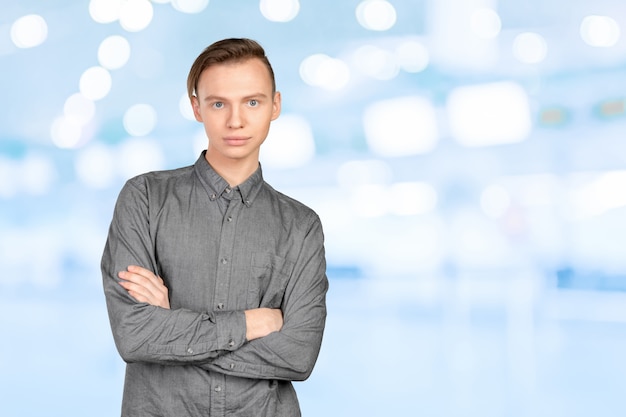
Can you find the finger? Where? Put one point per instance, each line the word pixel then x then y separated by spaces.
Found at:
pixel 138 297
pixel 139 280
pixel 142 271
pixel 138 292
pixel 140 285
pixel 141 299
pixel 144 291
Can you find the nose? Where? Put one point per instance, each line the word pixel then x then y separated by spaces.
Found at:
pixel 235 119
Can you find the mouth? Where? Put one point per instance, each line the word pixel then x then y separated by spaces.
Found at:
pixel 236 140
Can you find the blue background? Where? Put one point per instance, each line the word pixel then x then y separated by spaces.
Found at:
pixel 504 297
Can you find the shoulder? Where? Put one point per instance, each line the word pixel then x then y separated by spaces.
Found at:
pixel 289 206
pixel 158 179
pixel 154 185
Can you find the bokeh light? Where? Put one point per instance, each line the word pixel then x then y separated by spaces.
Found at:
pixel 136 15
pixel 105 11
pixel 600 31
pixel 290 143
pixel 190 6
pixel 95 83
pixel 400 126
pixel 595 195
pixel 279 10
pixel 485 23
pixel 114 52
pixel 412 56
pixel 29 31
pixel 530 48
pixel 377 15
pixel 489 114
pixel 320 70
pixel 66 132
pixel 79 108
pixel 140 119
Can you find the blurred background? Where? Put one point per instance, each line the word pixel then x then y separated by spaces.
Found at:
pixel 467 158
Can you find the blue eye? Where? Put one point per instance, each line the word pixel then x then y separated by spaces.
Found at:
pixel 253 103
pixel 218 104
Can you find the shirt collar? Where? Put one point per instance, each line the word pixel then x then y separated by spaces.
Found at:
pixel 218 185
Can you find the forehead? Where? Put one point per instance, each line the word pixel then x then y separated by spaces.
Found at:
pixel 250 75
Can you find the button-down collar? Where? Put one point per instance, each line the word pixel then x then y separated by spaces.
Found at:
pixel 217 186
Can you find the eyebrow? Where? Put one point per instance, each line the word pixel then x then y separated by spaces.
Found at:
pixel 212 97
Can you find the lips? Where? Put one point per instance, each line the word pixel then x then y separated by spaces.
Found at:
pixel 236 140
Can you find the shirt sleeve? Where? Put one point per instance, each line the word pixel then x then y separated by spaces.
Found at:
pixel 291 353
pixel 146 333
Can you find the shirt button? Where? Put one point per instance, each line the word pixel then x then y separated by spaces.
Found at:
pixel 229 218
pixel 220 306
pixel 213 196
pixel 228 190
pixel 232 366
pixel 231 343
pixel 190 351
pixel 218 388
pixel 224 261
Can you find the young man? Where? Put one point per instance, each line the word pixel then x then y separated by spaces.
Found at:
pixel 215 283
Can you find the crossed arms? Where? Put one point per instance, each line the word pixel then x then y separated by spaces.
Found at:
pixel 146 287
pixel 265 343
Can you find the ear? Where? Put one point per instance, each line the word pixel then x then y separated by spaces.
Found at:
pixel 276 105
pixel 195 104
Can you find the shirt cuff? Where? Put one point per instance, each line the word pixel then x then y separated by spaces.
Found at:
pixel 231 329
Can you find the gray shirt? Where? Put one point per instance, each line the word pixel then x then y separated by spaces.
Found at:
pixel 220 251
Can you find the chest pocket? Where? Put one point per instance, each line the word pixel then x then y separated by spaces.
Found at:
pixel 270 275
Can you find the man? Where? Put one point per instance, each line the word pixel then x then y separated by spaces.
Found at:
pixel 215 283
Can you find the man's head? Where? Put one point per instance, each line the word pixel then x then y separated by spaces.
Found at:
pixel 233 94
pixel 227 51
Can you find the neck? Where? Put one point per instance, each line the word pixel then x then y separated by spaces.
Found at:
pixel 234 171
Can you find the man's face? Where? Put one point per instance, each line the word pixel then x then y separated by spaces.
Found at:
pixel 235 103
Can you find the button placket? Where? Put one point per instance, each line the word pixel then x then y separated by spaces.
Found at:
pixel 221 299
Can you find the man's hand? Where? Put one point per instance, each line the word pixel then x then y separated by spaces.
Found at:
pixel 262 321
pixel 144 286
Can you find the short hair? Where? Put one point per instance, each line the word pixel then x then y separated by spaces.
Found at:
pixel 227 51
